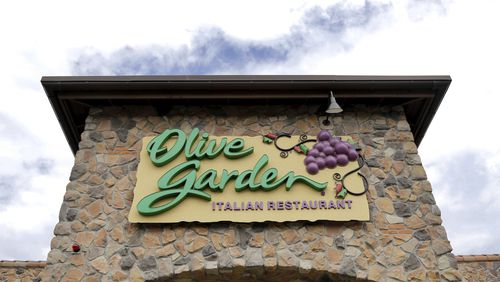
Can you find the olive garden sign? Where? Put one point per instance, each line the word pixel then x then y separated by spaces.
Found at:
pixel 188 176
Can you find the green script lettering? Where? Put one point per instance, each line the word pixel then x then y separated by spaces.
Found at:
pixel 181 181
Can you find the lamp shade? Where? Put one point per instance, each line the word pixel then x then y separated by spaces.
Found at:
pixel 334 108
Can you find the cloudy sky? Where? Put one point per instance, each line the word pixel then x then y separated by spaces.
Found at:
pixel 461 150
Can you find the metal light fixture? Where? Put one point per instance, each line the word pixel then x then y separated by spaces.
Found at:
pixel 334 108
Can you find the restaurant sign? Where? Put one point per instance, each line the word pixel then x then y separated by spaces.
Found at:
pixel 193 177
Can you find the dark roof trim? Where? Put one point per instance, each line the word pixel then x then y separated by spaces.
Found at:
pixel 424 93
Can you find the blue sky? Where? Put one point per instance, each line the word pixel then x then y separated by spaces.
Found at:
pixel 460 151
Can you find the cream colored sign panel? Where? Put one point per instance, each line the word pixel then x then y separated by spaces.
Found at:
pixel 297 202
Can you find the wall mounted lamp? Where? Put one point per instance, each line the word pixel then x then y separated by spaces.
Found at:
pixel 333 108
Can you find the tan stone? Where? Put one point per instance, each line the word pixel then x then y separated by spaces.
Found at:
pixel 179 231
pixel 181 247
pixel 257 240
pixel 197 263
pixel 290 236
pixel 452 274
pixel 138 252
pixel 362 262
pixel 386 164
pixel 405 136
pixel 393 219
pixel 410 148
pixel 268 251
pixel 77 259
pixel 380 174
pixel 235 252
pixel 168 236
pixel 71 196
pixel 308 254
pixel 123 183
pixel 384 205
pixel 334 255
pixel 397 167
pixel 100 264
pixel 441 247
pixel 392 192
pixel 328 241
pixel 135 274
pixel 320 263
pixel 397 273
pixel 84 216
pixel 410 245
pixel 100 238
pixel 118 276
pixel 402 238
pixel 429 261
pixel 433 219
pixel 77 226
pixel 216 241
pixel 418 173
pixel 117 201
pixel 404 194
pixel 151 240
pixel 308 237
pixel 317 245
pixel 92 278
pixel 94 208
pixel 414 222
pixel 201 230
pixel 117 234
pixel 376 273
pixel 94 179
pixel 197 244
pixel 189 236
pixel 229 238
pixel 96 224
pixel 166 251
pixel 394 255
pixel 73 274
pixel 286 258
pixel 417 275
pixel 84 238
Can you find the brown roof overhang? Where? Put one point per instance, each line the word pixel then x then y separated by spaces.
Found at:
pixel 72 96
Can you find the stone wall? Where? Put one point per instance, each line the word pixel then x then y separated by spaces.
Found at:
pixel 404 240
pixel 14 271
pixel 481 268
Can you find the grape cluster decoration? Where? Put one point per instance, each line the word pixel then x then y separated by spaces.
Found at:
pixel 329 152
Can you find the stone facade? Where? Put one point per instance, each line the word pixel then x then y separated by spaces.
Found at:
pixel 20 271
pixel 481 268
pixel 404 239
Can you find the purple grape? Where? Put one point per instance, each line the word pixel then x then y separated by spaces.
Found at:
pixel 333 141
pixel 320 163
pixel 312 168
pixel 319 147
pixel 309 159
pixel 323 135
pixel 330 162
pixel 322 155
pixel 352 155
pixel 342 160
pixel 328 150
pixel 314 153
pixel 341 148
